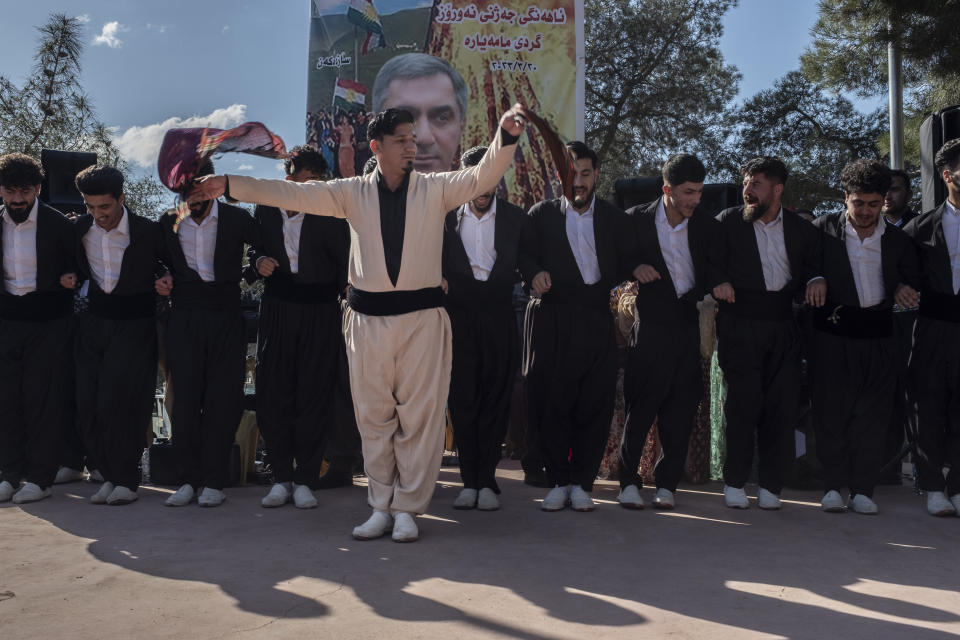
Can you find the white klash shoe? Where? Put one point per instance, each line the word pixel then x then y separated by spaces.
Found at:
pixel 66 474
pixel 630 498
pixel 303 497
pixel 832 502
pixel 556 500
pixel 121 496
pixel 937 504
pixel 735 498
pixel 767 500
pixel 31 492
pixel 487 500
pixel 404 528
pixel 211 497
pixel 183 496
pixel 664 499
pixel 6 491
pixel 279 495
pixel 467 499
pixel 376 525
pixel 100 497
pixel 863 504
pixel 955 501
pixel 580 500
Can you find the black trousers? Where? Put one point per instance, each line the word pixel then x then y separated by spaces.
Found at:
pixel 343 450
pixel 571 378
pixel 853 384
pixel 74 452
pixel 485 360
pixel 298 353
pixel 760 360
pixel 902 415
pixel 935 394
pixel 206 352
pixel 34 359
pixel 116 372
pixel 662 380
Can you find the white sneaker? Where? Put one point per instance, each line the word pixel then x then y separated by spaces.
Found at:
pixel 832 502
pixel 955 501
pixel 279 495
pixel 211 497
pixel 66 474
pixel 630 498
pixel 303 497
pixel 404 528
pixel 767 500
pixel 6 491
pixel 937 504
pixel 664 499
pixel 184 496
pixel 100 497
pixel 376 525
pixel 580 500
pixel 466 500
pixel 556 500
pixel 863 504
pixel 487 500
pixel 31 492
pixel 96 476
pixel 735 498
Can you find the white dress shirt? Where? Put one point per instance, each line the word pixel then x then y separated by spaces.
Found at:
pixel 865 262
pixel 773 252
pixel 477 233
pixel 199 242
pixel 951 232
pixel 20 253
pixel 105 250
pixel 292 226
pixel 675 247
pixel 582 242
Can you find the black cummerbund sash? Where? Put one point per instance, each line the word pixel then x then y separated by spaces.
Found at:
pixel 216 296
pixel 662 312
pixel 285 289
pixel 118 307
pixel 848 321
pixel 940 306
pixel 772 306
pixel 394 303
pixel 469 293
pixel 595 296
pixel 37 306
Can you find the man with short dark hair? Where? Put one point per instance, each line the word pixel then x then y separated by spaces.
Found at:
pixel 763 255
pixel 573 252
pixel 481 242
pixel 935 363
pixel 115 349
pixel 304 261
pixel 36 304
pixel 870 264
pixel 896 201
pixel 397 333
pixel 663 377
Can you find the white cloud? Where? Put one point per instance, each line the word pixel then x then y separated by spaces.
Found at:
pixel 141 145
pixel 160 28
pixel 226 28
pixel 84 18
pixel 108 35
pixel 245 167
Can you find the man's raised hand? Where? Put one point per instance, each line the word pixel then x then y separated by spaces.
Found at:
pixel 513 121
pixel 208 188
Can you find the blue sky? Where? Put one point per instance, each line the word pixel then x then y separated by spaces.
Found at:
pixel 151 65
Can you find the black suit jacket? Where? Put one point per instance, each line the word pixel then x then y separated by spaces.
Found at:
pixel 926 230
pixel 142 261
pixel 508 227
pixel 658 299
pixel 544 245
pixel 56 250
pixel 898 260
pixel 323 251
pixel 735 258
pixel 235 228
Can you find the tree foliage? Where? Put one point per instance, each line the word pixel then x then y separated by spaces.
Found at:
pixel 50 110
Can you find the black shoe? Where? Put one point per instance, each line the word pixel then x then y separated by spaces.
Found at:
pixel 335 478
pixel 537 479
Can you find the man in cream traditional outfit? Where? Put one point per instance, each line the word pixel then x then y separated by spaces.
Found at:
pixel 396 330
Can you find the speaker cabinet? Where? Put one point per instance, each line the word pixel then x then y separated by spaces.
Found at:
pixel 936 129
pixel 60 168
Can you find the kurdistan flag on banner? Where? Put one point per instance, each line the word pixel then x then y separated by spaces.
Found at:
pixel 349 95
pixel 363 14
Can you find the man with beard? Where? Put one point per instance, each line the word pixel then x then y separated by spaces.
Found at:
pixel 36 304
pixel 934 376
pixel 572 254
pixel 397 333
pixel 304 261
pixel 896 202
pixel 763 255
pixel 854 361
pixel 115 351
pixel 663 378
pixel 480 246
pixel 205 341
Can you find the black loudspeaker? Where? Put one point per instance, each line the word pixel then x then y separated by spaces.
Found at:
pixel 935 129
pixel 629 192
pixel 60 168
pixel 717 197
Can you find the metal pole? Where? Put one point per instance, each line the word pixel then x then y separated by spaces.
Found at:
pixel 895 82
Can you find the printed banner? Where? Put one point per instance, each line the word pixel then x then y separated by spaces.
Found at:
pixel 457 66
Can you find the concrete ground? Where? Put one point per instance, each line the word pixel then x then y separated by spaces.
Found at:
pixel 69 569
